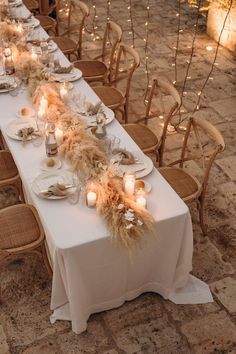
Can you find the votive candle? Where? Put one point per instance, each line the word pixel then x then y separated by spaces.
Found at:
pixel 129 183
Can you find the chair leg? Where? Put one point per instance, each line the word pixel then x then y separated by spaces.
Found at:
pixel 45 260
pixel 201 214
pixel 126 111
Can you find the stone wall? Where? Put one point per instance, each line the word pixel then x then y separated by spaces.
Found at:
pixel 215 21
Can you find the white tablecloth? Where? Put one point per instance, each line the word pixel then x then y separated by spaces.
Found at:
pixel 90 274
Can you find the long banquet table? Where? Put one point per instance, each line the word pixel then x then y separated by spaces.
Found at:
pixel 90 273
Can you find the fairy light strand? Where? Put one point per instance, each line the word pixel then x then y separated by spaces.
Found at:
pixel 146 51
pixel 214 60
pixel 131 31
pixel 177 42
pixel 108 10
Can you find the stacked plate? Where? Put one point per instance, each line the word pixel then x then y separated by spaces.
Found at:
pixel 7 83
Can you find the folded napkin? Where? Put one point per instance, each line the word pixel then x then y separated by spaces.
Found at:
pixel 24 133
pixel 57 190
pixel 126 157
pixel 91 109
pixel 58 69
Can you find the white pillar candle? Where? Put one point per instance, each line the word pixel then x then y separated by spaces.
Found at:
pixel 43 103
pixel 141 201
pixel 129 183
pixel 91 199
pixel 59 136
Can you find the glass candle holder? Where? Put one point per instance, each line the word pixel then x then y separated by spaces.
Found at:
pixel 140 198
pixel 129 183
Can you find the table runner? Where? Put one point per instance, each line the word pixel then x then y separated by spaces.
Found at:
pixel 90 274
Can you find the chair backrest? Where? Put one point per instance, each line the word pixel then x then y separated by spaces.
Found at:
pixel 166 101
pixel 206 141
pixel 127 62
pixel 64 10
pixel 112 37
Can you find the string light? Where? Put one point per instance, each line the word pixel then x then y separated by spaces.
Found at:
pixel 93 30
pixel 108 10
pixel 146 53
pixel 176 47
pixel 130 19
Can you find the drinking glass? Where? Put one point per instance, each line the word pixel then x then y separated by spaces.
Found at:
pixel 73 196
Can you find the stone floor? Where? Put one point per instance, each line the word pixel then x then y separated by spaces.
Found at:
pixel 149 324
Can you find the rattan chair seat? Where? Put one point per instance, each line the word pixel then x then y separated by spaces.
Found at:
pixel 19 227
pixel 91 68
pixel 31 4
pixel 46 22
pixel 110 96
pixel 65 43
pixel 183 183
pixel 142 135
pixel 8 168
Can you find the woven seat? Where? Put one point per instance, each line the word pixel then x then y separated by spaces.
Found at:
pixel 21 232
pixel 91 69
pixel 140 133
pixel 187 186
pixel 184 184
pixel 8 168
pixel 19 227
pixel 143 136
pixel 67 45
pixel 96 70
pixel 9 175
pixel 31 5
pixel 110 96
pixel 47 22
pixel 126 63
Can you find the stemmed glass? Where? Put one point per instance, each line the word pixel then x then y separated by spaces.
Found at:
pixel 38 139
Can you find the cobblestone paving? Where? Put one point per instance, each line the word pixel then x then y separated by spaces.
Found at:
pixel 149 324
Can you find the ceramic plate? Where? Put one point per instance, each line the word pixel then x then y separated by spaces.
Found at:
pixel 32 22
pixel 15 3
pixel 91 120
pixel 46 179
pixel 56 166
pixel 52 46
pixel 9 80
pixel 142 168
pixel 17 124
pixel 74 75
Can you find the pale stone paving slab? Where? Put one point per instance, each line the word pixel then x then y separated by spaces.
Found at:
pixel 4 349
pixel 225 291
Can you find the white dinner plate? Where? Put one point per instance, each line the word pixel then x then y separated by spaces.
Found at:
pixel 33 22
pixel 17 124
pixel 74 75
pixel 10 81
pixel 46 179
pixel 52 46
pixel 142 168
pixel 56 166
pixel 91 120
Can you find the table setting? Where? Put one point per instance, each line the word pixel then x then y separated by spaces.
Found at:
pixel 114 227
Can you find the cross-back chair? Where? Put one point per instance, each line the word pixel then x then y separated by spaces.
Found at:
pixel 67 45
pixel 32 5
pixel 127 62
pixel 9 175
pixel 98 70
pixel 162 94
pixel 48 23
pixel 21 232
pixel 206 142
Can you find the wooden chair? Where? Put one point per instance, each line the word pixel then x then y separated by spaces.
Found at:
pixel 9 175
pixel 21 232
pixel 144 137
pixel 67 45
pixel 209 142
pixel 126 63
pixel 32 5
pixel 48 23
pixel 98 70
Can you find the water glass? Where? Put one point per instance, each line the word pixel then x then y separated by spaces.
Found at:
pixel 73 196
